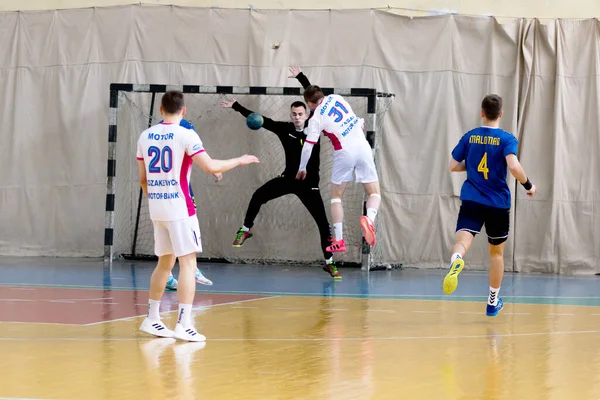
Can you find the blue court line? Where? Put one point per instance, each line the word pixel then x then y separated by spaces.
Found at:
pixel 547 300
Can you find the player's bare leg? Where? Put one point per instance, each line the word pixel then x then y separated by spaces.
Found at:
pixel 337 218
pixel 495 304
pixel 184 330
pixel 152 324
pixel 373 202
pixel 461 246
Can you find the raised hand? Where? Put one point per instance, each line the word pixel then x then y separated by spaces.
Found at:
pixel 227 104
pixel 294 72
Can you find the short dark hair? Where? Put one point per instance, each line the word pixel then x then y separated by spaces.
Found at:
pixel 492 106
pixel 313 94
pixel 298 104
pixel 172 102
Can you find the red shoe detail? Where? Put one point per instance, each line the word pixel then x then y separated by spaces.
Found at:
pixel 368 230
pixel 338 246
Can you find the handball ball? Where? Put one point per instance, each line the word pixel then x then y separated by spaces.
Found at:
pixel 254 121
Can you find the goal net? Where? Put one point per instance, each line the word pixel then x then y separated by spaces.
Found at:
pixel 284 231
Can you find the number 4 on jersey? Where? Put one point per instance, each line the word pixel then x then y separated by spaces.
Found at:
pixel 483 168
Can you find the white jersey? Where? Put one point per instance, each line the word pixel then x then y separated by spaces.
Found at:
pixel 335 118
pixel 167 151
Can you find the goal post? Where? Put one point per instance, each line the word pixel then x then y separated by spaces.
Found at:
pixel 285 233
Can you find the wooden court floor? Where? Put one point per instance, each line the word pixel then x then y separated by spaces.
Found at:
pixel 67 343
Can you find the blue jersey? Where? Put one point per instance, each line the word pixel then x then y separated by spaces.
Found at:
pixel 484 151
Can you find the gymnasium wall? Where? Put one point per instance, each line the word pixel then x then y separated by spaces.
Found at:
pixel 542 9
pixel 56 67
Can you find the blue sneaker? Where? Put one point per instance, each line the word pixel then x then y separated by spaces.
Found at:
pixel 492 311
pixel 171 283
pixel 200 278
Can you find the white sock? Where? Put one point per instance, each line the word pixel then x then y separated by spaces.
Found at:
pixel 337 231
pixel 372 213
pixel 329 261
pixel 493 297
pixel 154 309
pixel 185 315
pixel 454 257
pixel 245 228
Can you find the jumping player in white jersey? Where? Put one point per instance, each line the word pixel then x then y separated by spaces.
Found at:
pixel 352 154
pixel 165 153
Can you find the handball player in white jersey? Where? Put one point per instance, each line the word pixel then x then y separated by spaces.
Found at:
pixel 352 156
pixel 165 154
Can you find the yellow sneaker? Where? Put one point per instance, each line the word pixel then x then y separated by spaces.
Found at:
pixel 451 279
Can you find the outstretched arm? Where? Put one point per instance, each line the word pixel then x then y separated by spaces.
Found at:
pixel 212 166
pixel 268 124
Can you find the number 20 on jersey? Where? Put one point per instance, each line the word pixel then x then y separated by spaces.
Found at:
pixel 164 157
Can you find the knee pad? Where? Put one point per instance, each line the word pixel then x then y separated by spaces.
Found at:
pixel 336 200
pixel 375 195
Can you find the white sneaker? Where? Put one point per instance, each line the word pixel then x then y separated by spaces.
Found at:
pixel 188 334
pixel 156 328
pixel 200 278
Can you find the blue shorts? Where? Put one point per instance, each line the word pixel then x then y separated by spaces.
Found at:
pixel 473 216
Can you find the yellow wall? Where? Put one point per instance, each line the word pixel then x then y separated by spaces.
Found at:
pixel 543 9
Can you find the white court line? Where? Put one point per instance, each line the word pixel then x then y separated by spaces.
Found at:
pixel 174 311
pixel 427 312
pixel 56 300
pixel 15 300
pixel 387 311
pixel 103 302
pixel 334 309
pixel 401 296
pixel 20 398
pixel 348 339
pixel 93 299
pixel 36 323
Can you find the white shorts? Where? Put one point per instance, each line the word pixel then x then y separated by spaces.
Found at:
pixel 179 237
pixel 357 158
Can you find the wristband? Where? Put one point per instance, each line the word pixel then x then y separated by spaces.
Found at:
pixel 527 185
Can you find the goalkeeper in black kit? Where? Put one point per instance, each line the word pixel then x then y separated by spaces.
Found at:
pixel 292 137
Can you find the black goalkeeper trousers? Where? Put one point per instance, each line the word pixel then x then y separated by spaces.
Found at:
pixel 311 198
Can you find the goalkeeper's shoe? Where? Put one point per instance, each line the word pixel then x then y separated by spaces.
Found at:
pixel 338 246
pixel 241 237
pixel 368 230
pixel 332 270
pixel 200 278
pixel 171 283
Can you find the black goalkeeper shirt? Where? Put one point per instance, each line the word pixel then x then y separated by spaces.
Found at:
pixel 292 142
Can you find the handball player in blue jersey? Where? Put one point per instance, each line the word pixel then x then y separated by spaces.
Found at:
pixel 485 153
